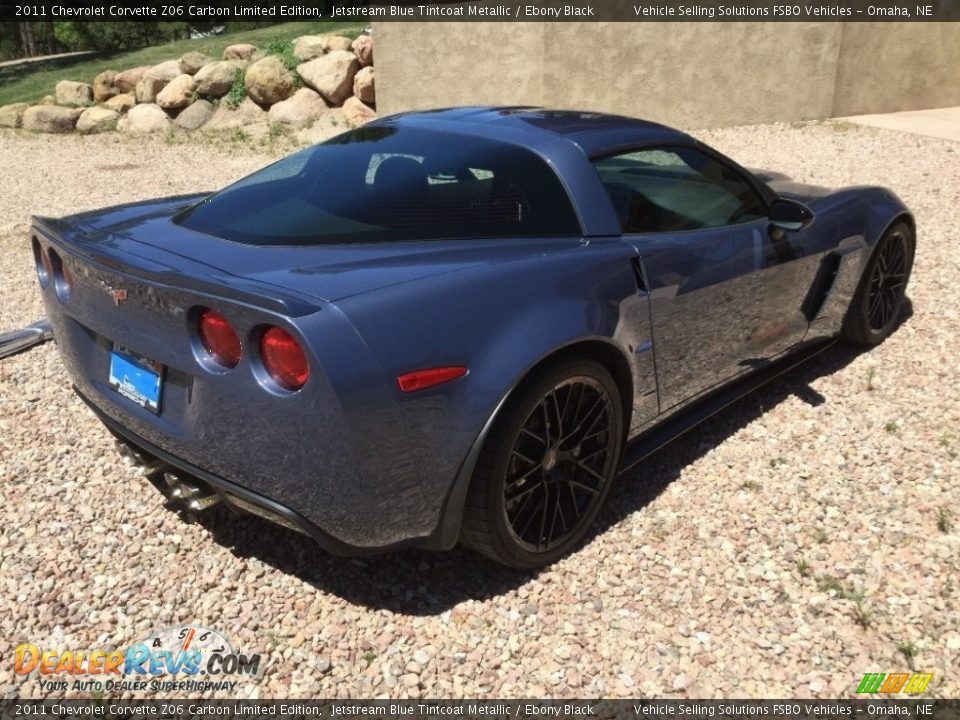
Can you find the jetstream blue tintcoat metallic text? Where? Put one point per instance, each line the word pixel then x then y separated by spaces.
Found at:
pixel 458 324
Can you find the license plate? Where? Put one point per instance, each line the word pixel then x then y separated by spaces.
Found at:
pixel 136 378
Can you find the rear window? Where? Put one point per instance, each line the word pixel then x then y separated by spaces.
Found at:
pixel 388 184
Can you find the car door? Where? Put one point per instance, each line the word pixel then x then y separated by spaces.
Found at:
pixel 726 291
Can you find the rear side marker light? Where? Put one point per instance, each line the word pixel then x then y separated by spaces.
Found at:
pixel 431 377
pixel 284 359
pixel 219 338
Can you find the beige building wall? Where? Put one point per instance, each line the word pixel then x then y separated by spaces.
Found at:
pixel 693 75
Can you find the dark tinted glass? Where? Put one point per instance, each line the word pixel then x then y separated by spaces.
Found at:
pixel 671 189
pixel 387 184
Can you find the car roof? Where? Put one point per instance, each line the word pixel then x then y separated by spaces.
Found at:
pixel 594 133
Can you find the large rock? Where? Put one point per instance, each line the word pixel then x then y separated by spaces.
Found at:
pixel 307 47
pixel 240 51
pixel 11 116
pixel 195 116
pixel 121 103
pixel 165 71
pixel 363 86
pixel 334 43
pixel 226 118
pixel 357 113
pixel 127 80
pixel 104 86
pixel 68 92
pixel 51 118
pixel 331 75
pixel 148 88
pixel 97 120
pixel 216 79
pixel 145 118
pixel 363 48
pixel 191 62
pixel 178 93
pixel 300 110
pixel 268 81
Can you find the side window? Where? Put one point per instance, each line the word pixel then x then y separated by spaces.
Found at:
pixel 674 189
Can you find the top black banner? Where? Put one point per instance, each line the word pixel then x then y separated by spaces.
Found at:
pixel 486 10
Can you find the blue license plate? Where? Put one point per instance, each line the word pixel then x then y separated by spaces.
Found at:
pixel 136 378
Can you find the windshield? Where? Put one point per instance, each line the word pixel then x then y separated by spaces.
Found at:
pixel 388 184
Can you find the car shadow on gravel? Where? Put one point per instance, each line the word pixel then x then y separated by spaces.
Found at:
pixel 423 583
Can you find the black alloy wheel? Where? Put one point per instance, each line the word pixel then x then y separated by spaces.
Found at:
pixel 876 305
pixel 547 467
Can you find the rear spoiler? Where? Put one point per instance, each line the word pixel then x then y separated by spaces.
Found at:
pixel 90 244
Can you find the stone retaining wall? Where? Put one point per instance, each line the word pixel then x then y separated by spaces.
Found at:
pixel 316 84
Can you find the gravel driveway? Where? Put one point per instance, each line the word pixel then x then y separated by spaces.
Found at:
pixel 809 534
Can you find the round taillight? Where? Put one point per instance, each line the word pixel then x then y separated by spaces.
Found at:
pixel 219 338
pixel 284 359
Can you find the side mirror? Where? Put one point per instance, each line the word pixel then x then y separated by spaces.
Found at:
pixel 790 215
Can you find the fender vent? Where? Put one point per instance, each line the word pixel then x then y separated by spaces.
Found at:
pixel 638 274
pixel 822 285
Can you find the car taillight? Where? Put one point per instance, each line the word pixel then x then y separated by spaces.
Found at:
pixel 423 379
pixel 284 359
pixel 219 338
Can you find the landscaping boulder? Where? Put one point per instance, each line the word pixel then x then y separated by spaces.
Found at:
pixel 51 118
pixel 363 49
pixel 97 120
pixel 331 75
pixel 216 79
pixel 47 100
pixel 165 71
pixel 357 113
pixel 195 116
pixel 240 51
pixel 225 117
pixel 268 81
pixel 11 116
pixel 68 92
pixel 121 103
pixel 104 86
pixel 333 43
pixel 148 88
pixel 300 110
pixel 307 47
pixel 145 118
pixel 363 86
pixel 191 62
pixel 126 81
pixel 178 93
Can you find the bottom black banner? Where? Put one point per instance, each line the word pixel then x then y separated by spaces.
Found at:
pixel 646 709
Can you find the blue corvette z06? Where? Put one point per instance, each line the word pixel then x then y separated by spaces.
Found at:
pixel 457 325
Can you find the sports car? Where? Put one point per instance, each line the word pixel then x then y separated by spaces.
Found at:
pixel 457 325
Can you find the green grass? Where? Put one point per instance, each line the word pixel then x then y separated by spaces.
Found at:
pixel 28 82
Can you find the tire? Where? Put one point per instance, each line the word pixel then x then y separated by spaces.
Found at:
pixel 547 466
pixel 875 308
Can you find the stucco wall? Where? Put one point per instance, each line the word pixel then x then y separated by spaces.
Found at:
pixel 687 74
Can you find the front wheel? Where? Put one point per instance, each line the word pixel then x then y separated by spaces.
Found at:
pixel 546 467
pixel 876 305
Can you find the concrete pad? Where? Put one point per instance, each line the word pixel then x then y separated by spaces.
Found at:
pixel 938 122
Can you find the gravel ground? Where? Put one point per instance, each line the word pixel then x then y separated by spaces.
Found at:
pixel 809 534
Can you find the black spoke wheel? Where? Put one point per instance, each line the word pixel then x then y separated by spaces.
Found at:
pixel 546 467
pixel 876 306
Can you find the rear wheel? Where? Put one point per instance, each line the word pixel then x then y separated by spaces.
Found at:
pixel 547 466
pixel 876 305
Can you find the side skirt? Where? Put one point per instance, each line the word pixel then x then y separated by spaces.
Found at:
pixel 670 429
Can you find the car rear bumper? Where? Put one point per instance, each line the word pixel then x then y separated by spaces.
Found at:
pixel 243 499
